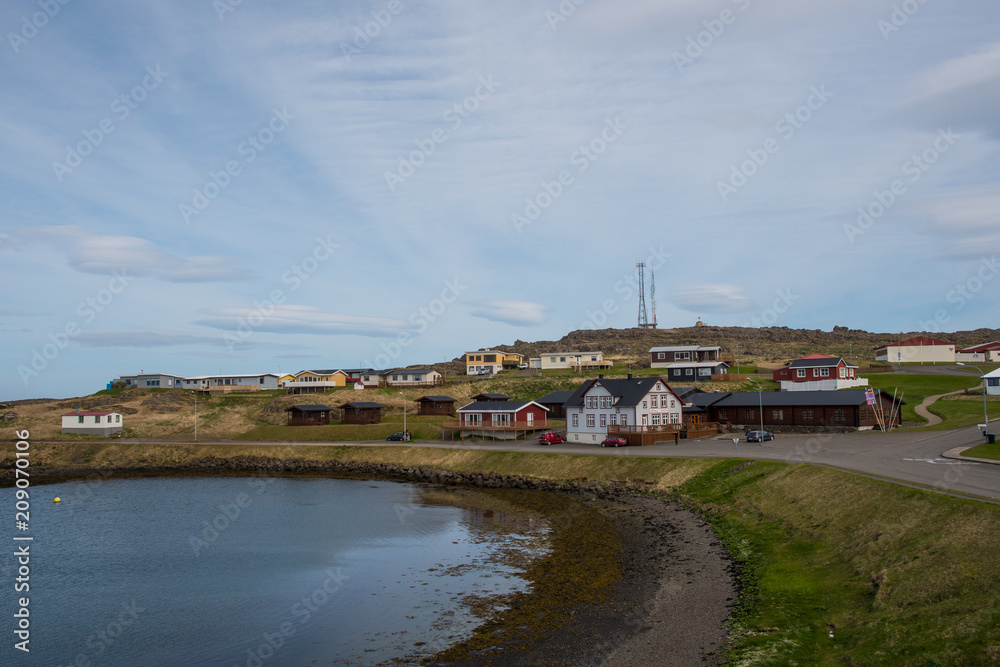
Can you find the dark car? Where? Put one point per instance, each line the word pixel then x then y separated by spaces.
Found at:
pixel 397 436
pixel 550 438
pixel 615 441
pixel 759 436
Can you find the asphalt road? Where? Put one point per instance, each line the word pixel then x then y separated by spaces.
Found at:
pixel 913 458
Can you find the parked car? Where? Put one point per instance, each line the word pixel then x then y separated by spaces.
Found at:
pixel 550 438
pixel 615 441
pixel 759 436
pixel 397 436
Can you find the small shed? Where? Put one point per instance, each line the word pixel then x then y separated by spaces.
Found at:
pixel 436 405
pixel 308 415
pixel 92 423
pixel 483 398
pixel 361 412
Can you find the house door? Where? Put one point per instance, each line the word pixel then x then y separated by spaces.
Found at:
pixel 694 419
pixel 645 419
pixel 531 418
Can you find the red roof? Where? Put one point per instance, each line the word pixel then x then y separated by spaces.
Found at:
pixel 819 356
pixel 916 341
pixel 86 414
pixel 995 345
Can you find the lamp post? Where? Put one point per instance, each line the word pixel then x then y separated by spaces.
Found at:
pixel 404 416
pixel 760 396
pixel 628 359
pixel 982 376
pixel 195 415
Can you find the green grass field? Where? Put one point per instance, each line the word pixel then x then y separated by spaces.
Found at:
pixel 915 388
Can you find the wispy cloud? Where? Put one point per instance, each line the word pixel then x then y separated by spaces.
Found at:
pixel 711 298
pixel 287 319
pixel 518 313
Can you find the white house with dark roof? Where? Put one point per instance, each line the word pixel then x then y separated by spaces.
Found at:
pixel 604 402
pixel 663 357
pixel 993 382
pixel 93 422
pixel 580 361
pixel 412 377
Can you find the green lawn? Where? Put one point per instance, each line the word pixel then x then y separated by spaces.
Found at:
pixel 915 388
pixel 986 451
pixel 962 410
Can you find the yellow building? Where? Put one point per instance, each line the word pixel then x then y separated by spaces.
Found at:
pixel 491 362
pixel 314 382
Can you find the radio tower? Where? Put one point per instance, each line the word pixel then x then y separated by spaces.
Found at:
pixel 652 294
pixel 643 320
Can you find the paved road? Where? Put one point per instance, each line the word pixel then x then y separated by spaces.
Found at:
pixel 913 458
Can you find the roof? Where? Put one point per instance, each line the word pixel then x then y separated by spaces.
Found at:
pixel 438 399
pixel 89 413
pixel 412 371
pixel 555 397
pixel 493 397
pixel 704 400
pixel 818 362
pixel 995 345
pixel 498 406
pixel 328 371
pixel 629 392
pixel 683 348
pixel 568 354
pixel 696 364
pixel 309 408
pixel 915 341
pixel 683 392
pixel 361 404
pixel 244 375
pixel 752 399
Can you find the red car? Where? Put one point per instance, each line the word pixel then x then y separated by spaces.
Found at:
pixel 550 438
pixel 615 441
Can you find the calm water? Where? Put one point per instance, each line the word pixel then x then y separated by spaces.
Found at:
pixel 258 571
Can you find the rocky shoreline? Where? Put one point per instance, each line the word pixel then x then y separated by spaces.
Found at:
pixel 669 608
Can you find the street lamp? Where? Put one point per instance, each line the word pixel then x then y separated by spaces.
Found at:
pixel 628 359
pixel 986 420
pixel 404 416
pixel 760 396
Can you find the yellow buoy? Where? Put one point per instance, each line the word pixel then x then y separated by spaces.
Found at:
pixel 57 499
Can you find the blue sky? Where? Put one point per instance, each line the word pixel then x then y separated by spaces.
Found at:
pixel 200 187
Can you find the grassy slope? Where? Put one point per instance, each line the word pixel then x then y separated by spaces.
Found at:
pixel 916 388
pixel 905 577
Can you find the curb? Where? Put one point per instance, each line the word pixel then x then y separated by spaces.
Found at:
pixel 956 453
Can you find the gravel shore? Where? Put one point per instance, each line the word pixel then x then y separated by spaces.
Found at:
pixel 670 607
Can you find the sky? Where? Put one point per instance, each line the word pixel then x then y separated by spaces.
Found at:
pixel 226 186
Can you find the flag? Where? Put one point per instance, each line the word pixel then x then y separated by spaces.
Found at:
pixel 870 396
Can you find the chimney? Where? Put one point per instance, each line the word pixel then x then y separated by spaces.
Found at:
pixel 629 376
pixel 600 376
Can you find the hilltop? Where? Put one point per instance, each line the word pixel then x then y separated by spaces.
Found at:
pixel 766 346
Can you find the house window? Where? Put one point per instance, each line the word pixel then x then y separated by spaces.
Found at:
pixel 593 358
pixel 395 378
pixel 613 420
pixel 501 418
pixel 843 372
pixel 553 359
pixel 624 420
pixel 682 355
pixel 576 421
pixel 474 418
pixel 800 373
pixel 777 415
pixel 97 419
pixel 79 420
pixel 704 371
pixel 644 406
pixel 604 420
pixel 825 372
pixel 417 378
pixel 660 355
pixel 840 415
pixel 673 403
pixel 653 402
pixel 656 420
pixel 750 413
pixel 723 413
pixel 645 420
pixel 562 359
pixel 807 415
pixel 688 371
pixel 590 421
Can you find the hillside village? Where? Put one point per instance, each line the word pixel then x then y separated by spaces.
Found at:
pixel 660 393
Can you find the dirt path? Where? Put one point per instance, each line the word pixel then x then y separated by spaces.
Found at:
pixel 932 418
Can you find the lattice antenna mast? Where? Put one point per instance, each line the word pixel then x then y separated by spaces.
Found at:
pixel 652 294
pixel 643 319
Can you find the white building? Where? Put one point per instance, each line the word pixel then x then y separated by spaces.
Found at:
pixel 580 361
pixel 92 423
pixel 917 350
pixel 993 383
pixel 984 354
pixel 600 403
pixel 224 383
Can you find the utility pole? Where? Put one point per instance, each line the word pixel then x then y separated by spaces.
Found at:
pixel 643 319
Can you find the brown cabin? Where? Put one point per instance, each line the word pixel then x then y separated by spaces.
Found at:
pixel 436 405
pixel 308 415
pixel 361 412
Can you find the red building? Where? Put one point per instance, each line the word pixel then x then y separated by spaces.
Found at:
pixel 816 367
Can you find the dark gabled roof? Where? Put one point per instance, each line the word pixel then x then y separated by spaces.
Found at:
pixel 817 363
pixel 558 397
pixel 309 408
pixel 493 397
pixel 705 399
pixel 779 399
pixel 361 371
pixel 361 404
pixel 438 399
pixel 686 391
pixel 497 406
pixel 628 392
